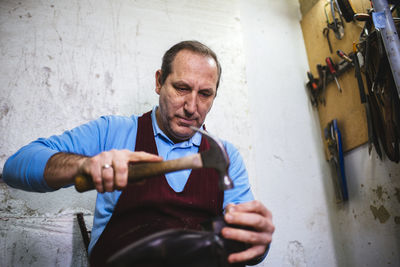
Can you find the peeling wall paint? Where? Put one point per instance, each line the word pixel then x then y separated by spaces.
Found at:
pixel 370 237
pixel 380 213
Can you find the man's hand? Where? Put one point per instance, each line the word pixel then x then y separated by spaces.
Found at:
pixel 109 169
pixel 255 215
pixel 62 168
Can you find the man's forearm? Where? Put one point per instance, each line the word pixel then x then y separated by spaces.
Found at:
pixel 61 169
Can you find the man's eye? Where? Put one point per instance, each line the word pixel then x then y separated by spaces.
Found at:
pixel 181 88
pixel 206 94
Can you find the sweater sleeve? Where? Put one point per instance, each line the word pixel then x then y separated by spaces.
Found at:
pixel 24 170
pixel 241 192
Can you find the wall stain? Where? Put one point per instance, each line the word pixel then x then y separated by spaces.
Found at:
pixel 28 15
pixel 397 194
pixel 397 220
pixel 381 213
pixel 46 76
pixel 70 89
pixel 354 214
pixel 15 8
pixel 379 192
pixel 12 206
pixel 108 80
pixel 295 254
pixel 279 158
pixel 4 110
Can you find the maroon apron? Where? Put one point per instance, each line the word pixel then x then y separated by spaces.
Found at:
pixel 153 206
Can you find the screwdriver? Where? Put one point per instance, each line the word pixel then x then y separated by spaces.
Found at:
pixel 343 55
pixel 332 70
pixel 312 81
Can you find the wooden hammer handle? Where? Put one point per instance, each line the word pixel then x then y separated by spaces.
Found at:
pixel 139 171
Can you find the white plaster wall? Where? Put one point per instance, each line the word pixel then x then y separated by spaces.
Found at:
pixel 290 170
pixel 292 177
pixel 67 62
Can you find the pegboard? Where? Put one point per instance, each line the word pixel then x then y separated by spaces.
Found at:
pixel 346 106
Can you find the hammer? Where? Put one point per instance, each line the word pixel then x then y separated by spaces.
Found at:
pixel 216 158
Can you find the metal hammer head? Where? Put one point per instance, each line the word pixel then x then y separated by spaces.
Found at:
pixel 217 158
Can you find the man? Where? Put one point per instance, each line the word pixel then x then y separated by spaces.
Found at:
pixel 187 86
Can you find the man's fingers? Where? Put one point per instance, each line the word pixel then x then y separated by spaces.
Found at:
pixel 143 156
pixel 107 173
pixel 105 164
pixel 230 207
pixel 253 214
pixel 254 220
pixel 109 169
pixel 246 255
pixel 258 219
pixel 246 236
pixel 121 161
pixel 92 167
pixel 120 175
pixel 254 206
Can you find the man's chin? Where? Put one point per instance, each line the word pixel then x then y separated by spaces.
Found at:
pixel 184 133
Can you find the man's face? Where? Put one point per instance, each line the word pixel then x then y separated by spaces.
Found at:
pixel 186 95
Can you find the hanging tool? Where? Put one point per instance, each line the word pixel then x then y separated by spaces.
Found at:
pixel 347 9
pixel 314 89
pixel 336 25
pixel 322 82
pixel 312 81
pixel 384 107
pixel 332 70
pixel 325 32
pixel 344 56
pixel 390 37
pixel 336 160
pixel 372 137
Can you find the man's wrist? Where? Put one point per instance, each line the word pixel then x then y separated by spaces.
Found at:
pixel 62 168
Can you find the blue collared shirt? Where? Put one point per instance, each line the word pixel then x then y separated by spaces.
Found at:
pixel 25 168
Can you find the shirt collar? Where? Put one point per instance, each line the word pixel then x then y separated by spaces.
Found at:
pixel 195 140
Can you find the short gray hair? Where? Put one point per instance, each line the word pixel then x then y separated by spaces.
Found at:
pixel 194 46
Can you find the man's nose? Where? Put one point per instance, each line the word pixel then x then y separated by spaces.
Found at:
pixel 191 103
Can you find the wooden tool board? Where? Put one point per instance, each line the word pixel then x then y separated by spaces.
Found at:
pixel 346 107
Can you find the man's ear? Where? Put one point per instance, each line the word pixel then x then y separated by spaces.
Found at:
pixel 158 81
